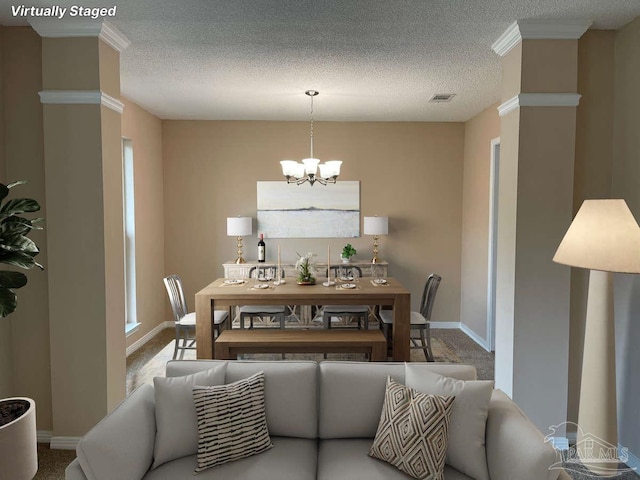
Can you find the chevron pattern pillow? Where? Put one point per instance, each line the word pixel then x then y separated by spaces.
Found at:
pixel 412 433
pixel 231 421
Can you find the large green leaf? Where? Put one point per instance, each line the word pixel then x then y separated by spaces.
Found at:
pixel 11 279
pixel 18 206
pixel 8 301
pixel 19 243
pixel 18 259
pixel 4 191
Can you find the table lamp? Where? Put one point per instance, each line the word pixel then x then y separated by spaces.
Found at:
pixel 239 227
pixel 604 238
pixel 376 226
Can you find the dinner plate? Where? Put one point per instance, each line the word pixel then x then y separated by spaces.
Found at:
pixel 233 281
pixel 261 285
pixel 346 279
pixel 380 281
pixel 348 285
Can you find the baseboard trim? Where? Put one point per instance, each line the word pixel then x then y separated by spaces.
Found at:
pixel 474 336
pixel 144 339
pixel 44 436
pixel 633 461
pixel 449 325
pixel 64 443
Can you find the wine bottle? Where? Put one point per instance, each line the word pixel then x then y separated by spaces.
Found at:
pixel 261 249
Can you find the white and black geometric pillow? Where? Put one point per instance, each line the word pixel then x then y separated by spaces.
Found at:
pixel 231 421
pixel 412 433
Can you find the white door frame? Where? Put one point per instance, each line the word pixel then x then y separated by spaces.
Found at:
pixel 493 241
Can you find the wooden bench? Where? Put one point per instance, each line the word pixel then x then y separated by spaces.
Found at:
pixel 231 343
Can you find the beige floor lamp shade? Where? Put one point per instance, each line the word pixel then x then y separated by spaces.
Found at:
pixel 603 237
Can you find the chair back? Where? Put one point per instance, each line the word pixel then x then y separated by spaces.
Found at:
pixel 429 295
pixel 176 296
pixel 335 269
pixel 270 272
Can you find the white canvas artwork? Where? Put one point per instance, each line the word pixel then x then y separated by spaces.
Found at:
pixel 302 211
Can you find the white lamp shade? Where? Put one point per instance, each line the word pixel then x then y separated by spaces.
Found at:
pixel 603 236
pixel 334 167
pixel 311 165
pixel 239 226
pixel 288 167
pixel 376 225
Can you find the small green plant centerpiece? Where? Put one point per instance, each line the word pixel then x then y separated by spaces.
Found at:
pixel 306 268
pixel 15 248
pixel 347 252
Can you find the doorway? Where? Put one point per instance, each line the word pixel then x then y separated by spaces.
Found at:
pixel 493 242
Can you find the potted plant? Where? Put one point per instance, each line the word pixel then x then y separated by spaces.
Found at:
pixel 347 252
pixel 305 268
pixel 18 441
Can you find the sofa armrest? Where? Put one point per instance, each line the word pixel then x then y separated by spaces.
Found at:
pixel 122 441
pixel 514 444
pixel 74 471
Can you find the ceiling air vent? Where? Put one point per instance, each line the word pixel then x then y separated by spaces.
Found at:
pixel 442 97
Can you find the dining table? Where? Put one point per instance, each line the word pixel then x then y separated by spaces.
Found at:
pixel 226 293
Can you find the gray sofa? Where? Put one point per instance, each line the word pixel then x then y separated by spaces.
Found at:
pixel 321 418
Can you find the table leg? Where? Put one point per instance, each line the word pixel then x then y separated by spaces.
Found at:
pixel 204 327
pixel 379 352
pixel 401 328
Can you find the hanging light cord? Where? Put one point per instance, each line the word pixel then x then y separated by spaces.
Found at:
pixel 311 126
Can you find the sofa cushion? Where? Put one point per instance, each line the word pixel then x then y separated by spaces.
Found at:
pixel 346 458
pixel 514 443
pixel 289 459
pixel 412 434
pixel 122 441
pixel 290 391
pixel 231 421
pixel 177 425
pixel 466 451
pixel 352 393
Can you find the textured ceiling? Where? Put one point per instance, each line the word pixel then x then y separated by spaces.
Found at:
pixel 371 60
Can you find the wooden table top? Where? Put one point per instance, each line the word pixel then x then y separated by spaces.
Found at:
pixel 291 292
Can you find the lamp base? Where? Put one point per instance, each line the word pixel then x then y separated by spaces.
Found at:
pixel 240 260
pixel 597 441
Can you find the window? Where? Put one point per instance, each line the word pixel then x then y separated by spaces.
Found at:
pixel 129 236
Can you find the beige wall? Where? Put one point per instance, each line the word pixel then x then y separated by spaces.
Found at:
pixel 592 173
pixel 411 172
pixel 145 132
pixel 479 131
pixel 626 184
pixel 23 148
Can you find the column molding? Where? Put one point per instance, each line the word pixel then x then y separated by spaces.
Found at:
pixel 539 100
pixel 81 97
pixel 539 30
pixel 105 31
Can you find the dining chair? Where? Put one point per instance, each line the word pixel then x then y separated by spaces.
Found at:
pixel 185 322
pixel 345 312
pixel 420 321
pixel 276 312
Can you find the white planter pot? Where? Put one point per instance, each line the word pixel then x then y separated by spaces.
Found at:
pixel 345 259
pixel 18 442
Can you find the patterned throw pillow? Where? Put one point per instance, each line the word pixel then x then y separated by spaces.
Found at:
pixel 231 421
pixel 412 433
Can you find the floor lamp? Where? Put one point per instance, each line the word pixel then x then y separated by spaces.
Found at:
pixel 604 238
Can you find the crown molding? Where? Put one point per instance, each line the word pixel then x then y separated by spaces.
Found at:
pixel 539 100
pixel 67 27
pixel 539 30
pixel 80 97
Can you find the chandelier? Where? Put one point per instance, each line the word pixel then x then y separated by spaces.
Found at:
pixel 307 171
